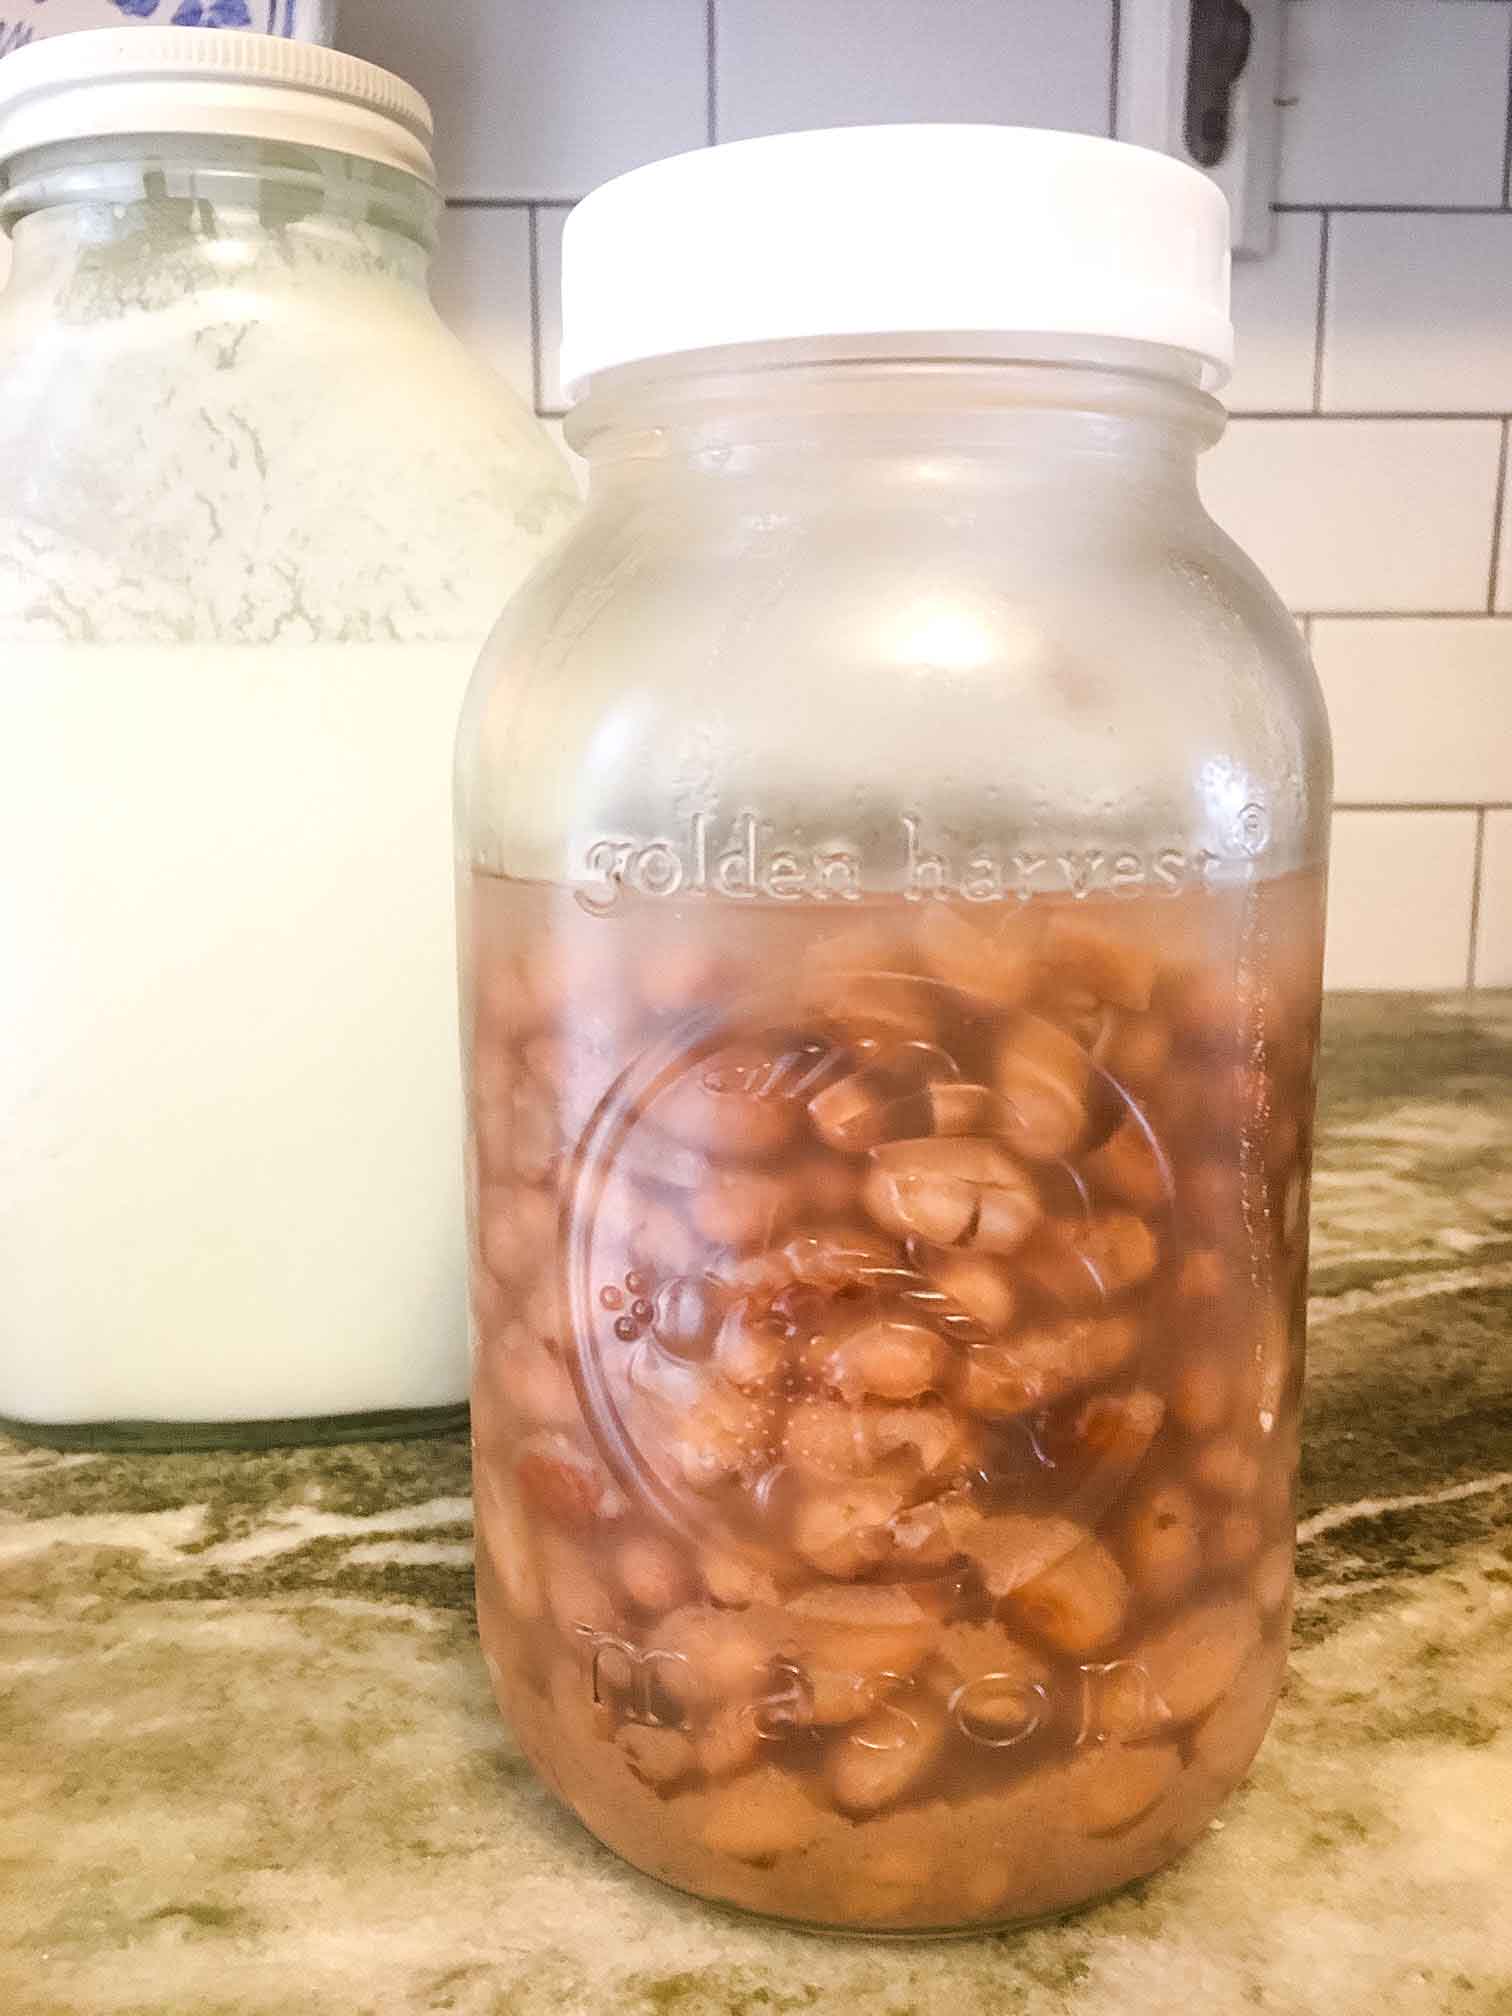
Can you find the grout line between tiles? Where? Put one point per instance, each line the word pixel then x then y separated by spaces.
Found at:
pixel 1498 515
pixel 1507 145
pixel 536 375
pixel 1393 209
pixel 512 202
pixel 1320 323
pixel 1115 50
pixel 1360 413
pixel 711 57
pixel 1398 615
pixel 1416 805
pixel 1475 897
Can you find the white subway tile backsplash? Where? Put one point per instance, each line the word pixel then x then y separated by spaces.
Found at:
pixel 1421 709
pixel 481 284
pixel 1381 524
pixel 781 65
pixel 1399 899
pixel 1347 515
pixel 549 223
pixel 1395 101
pixel 1493 952
pixel 545 97
pixel 1276 321
pixel 1418 314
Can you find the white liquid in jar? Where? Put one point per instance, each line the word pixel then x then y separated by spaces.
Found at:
pixel 230 1164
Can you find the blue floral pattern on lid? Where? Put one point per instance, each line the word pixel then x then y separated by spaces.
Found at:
pixel 304 20
pixel 211 14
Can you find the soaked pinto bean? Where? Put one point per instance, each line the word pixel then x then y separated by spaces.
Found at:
pixel 654 1574
pixel 1203 1276
pixel 928 1440
pixel 733 1106
pixel 536 1381
pixel 576 1594
pixel 847 1528
pixel 1226 1468
pixel 1201 1391
pixel 884 1097
pixel 936 1533
pixel 729 1741
pixel 1084 1265
pixel 752 1354
pixel 1110 1435
pixel 516 1230
pixel 1162 1543
pixel 1237 1539
pixel 952 1192
pixel 1109 965
pixel 1130 1167
pixel 992 1686
pixel 1184 1670
pixel 829 1439
pixel 1133 1050
pixel 857 1629
pixel 505 1537
pixel 1044 1074
pixel 981 1284
pixel 562 1480
pixel 721 1434
pixel 763 1814
pixel 743 1208
pixel 1076 1604
pixel 1037 1368
pixel 891 1359
pixel 1000 964
pixel 1110 1785
pixel 738 1579
pixel 886 1756
pixel 839 1257
pixel 706 1658
pixel 876 1006
pixel 661 1757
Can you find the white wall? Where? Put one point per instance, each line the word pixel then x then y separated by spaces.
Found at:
pixel 1366 465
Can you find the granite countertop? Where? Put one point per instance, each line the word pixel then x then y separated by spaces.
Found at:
pixel 250 1764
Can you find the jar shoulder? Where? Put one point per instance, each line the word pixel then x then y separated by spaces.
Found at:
pixel 998 667
pixel 214 474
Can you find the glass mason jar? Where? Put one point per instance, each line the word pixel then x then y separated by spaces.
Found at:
pixel 258 510
pixel 893 830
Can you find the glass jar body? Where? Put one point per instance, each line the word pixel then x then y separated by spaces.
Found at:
pixel 893 832
pixel 242 584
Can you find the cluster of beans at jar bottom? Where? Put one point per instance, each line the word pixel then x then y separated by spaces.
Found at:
pixel 888 1347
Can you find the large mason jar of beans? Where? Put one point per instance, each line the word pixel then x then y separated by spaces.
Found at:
pixel 892 835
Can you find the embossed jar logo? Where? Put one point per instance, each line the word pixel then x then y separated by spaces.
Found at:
pixel 703 1331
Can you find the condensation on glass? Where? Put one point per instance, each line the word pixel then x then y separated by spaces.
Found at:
pixel 892 842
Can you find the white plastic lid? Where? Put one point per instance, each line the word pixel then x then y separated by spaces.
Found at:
pixel 115 81
pixel 864 231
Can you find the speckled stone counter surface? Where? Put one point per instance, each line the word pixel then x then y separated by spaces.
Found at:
pixel 249 1765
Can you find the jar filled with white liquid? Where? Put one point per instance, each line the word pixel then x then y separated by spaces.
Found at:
pixel 258 509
